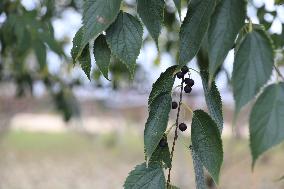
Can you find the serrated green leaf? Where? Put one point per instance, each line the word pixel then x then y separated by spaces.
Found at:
pixel 266 120
pixel 143 177
pixel 199 171
pixel 98 15
pixel 124 38
pixel 178 6
pixel 207 143
pixel 85 61
pixel 157 122
pixel 194 28
pixel 162 155
pixel 213 100
pixel 152 14
pixel 77 45
pixel 102 55
pixel 164 84
pixel 252 67
pixel 226 22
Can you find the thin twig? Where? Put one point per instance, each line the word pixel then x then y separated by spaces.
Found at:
pixel 278 72
pixel 176 133
pixel 194 70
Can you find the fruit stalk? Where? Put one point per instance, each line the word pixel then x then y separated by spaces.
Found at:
pixel 176 132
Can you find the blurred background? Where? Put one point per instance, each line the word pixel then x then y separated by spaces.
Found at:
pixel 59 130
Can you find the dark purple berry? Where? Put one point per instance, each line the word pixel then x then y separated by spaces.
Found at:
pixel 174 105
pixel 184 69
pixel 180 75
pixel 163 143
pixel 182 127
pixel 187 89
pixel 189 81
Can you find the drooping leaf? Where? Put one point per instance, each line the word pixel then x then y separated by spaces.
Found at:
pixel 40 52
pixel 77 45
pixel 164 84
pixel 124 38
pixel 51 42
pixel 207 143
pixel 194 28
pixel 98 15
pixel 156 123
pixel 266 120
pixel 213 100
pixel 252 67
pixel 152 14
pixel 199 171
pixel 102 55
pixel 85 61
pixel 178 6
pixel 161 155
pixel 226 22
pixel 143 177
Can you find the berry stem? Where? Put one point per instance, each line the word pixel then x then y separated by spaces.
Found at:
pixel 176 132
pixel 278 72
pixel 194 70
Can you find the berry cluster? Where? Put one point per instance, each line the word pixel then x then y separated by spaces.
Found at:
pixel 188 81
pixel 187 89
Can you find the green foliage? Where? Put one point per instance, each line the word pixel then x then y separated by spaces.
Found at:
pixel 77 41
pixel 102 55
pixel 156 123
pixel 207 142
pixel 213 100
pixel 30 32
pixel 151 177
pixel 98 15
pixel 152 14
pixel 226 23
pixel 161 155
pixel 252 67
pixel 124 38
pixel 199 172
pixel 40 51
pixel 85 61
pixel 194 28
pixel 217 26
pixel 163 85
pixel 266 120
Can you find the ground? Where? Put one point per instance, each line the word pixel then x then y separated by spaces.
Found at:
pixel 84 161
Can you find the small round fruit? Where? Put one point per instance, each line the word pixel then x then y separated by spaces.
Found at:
pixel 174 105
pixel 163 143
pixel 180 75
pixel 184 69
pixel 187 89
pixel 182 127
pixel 189 81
